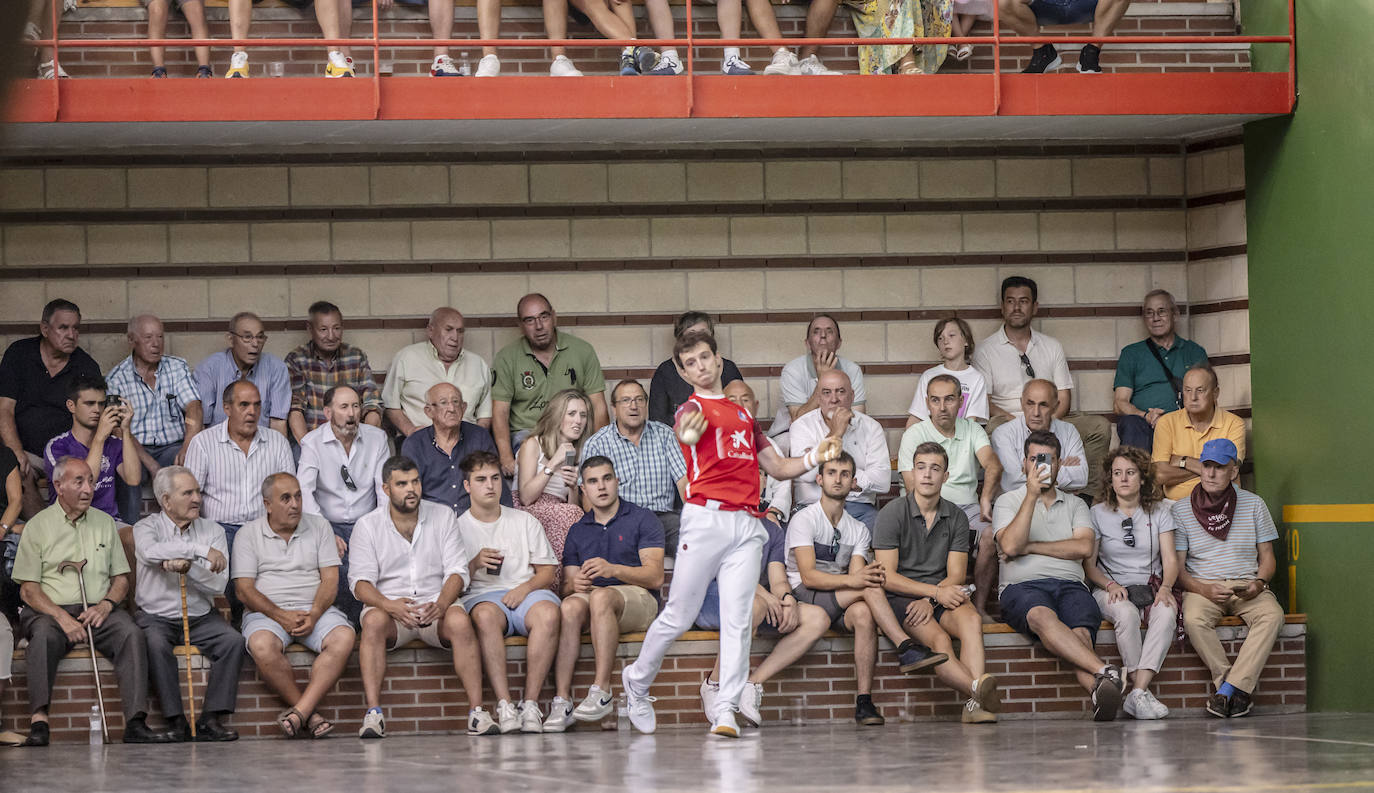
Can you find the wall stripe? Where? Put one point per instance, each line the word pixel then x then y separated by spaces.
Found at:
pixel 1328 513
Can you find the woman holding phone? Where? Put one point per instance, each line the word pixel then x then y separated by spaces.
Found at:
pixel 1133 571
pixel 546 468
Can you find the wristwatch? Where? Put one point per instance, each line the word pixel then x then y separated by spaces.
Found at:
pixel 4 530
pixel 113 605
pixel 1183 461
pixel 548 471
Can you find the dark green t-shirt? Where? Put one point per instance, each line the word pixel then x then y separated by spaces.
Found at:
pixel 1138 370
pixel 522 380
pixel 921 555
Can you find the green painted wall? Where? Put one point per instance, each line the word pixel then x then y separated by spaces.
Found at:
pixel 1310 212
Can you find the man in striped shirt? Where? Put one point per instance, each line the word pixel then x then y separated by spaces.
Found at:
pixel 1224 537
pixel 325 362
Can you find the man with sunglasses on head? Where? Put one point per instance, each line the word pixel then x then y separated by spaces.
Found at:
pixel 1016 354
pixel 340 472
pixel 1038 403
pixel 246 359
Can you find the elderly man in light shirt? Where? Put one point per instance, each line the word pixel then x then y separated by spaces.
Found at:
pixel 409 567
pixel 173 543
pixel 1039 400
pixel 340 472
pixel 861 435
pixel 439 359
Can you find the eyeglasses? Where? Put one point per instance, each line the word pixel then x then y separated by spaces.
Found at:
pixel 1030 370
pixel 627 401
pixel 540 318
pixel 347 479
pixel 1128 526
pixel 249 338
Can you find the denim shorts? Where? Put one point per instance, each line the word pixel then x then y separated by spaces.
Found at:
pixel 1063 12
pixel 1069 600
pixel 515 617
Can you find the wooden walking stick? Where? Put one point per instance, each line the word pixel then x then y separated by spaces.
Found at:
pixel 90 642
pixel 186 642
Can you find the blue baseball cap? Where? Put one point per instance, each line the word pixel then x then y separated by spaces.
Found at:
pixel 1220 451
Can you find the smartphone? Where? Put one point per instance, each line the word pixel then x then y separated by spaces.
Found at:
pixel 1041 459
pixel 112 401
pixel 571 459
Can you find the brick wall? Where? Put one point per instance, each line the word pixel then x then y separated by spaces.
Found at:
pixel 421 693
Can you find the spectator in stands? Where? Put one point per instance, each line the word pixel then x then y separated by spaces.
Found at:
pixel 246 360
pixel 506 599
pixel 11 529
pixel 37 27
pixel 546 471
pixel 1225 542
pixel 439 359
pixel 53 619
pixel 194 11
pixel 440 448
pixel 1181 435
pixel 612 572
pixel 1015 354
pixel 340 472
pixel 35 375
pixel 922 544
pixel 1149 373
pixel 100 435
pixel 801 376
pixel 529 371
pixel 729 17
pixel 174 546
pixel 954 341
pixel 1134 570
pixel 648 461
pixel 1043 535
pixel 918 18
pixel 328 13
pixel 828 565
pixel 440 27
pixel 862 437
pixel 1026 16
pixel 555 26
pixel 286 569
pixel 1038 406
pixel 409 567
pixel 231 460
pixel 967 448
pixel 667 389
pixel 162 393
pixel 324 362
pixel 966 13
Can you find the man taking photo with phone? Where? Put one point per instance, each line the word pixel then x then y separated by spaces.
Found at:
pixel 101 436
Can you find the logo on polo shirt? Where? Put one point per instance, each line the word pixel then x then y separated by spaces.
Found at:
pixel 527 380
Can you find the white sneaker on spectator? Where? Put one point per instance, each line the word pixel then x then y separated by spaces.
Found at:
pixel 750 702
pixel 531 718
pixel 489 66
pixel 443 66
pixel 507 717
pixel 710 690
pixel 238 66
pixel 374 726
pixel 641 707
pixel 724 724
pixel 560 716
pixel 667 66
pixel 784 62
pixel 1141 704
pixel 734 66
pixel 480 723
pixel 45 71
pixel 563 67
pixel 596 706
pixel 813 66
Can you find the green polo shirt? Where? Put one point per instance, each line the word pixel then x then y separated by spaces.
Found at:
pixel 49 539
pixel 922 552
pixel 963 448
pixel 1138 370
pixel 522 380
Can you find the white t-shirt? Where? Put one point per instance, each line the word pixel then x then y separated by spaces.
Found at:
pixel 520 539
pixel 811 527
pixel 975 388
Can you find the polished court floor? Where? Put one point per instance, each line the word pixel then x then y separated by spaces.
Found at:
pixel 1184 755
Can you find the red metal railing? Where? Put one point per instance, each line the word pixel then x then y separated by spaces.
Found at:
pixel 690 42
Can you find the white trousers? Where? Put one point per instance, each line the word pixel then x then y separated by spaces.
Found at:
pixel 726 547
pixel 1125 618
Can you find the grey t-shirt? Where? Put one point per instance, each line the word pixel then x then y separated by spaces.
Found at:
pixel 287 572
pixel 922 555
pixel 1051 524
pixel 1123 564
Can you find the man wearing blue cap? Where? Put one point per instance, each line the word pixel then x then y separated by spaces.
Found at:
pixel 1225 542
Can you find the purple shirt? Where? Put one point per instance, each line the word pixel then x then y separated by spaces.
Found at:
pixel 618 542
pixel 65 445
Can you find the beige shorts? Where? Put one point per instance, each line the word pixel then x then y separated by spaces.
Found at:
pixel 429 634
pixel 640 607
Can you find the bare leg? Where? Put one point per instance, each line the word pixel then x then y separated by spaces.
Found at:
pixel 490 623
pixel 195 15
pixel 441 22
pixel 379 629
pixel 607 22
pixel 965 623
pixel 489 22
pixel 1073 645
pixel 273 667
pixel 576 613
pixel 951 673
pixel 157 28
pixel 325 672
pixel 346 25
pixel 456 629
pixel 625 12
pixel 1108 16
pixel 607 606
pixel 555 23
pixel 1017 15
pixel 660 18
pixel 814 622
pixel 240 20
pixel 1143 677
pixel 859 619
pixel 878 607
pixel 542 621
pixel 729 18
pixel 818 19
pixel 765 21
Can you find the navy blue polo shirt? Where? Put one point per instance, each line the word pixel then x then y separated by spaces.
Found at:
pixel 618 542
pixel 440 476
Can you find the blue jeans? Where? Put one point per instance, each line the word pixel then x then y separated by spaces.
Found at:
pixel 1063 12
pixel 348 604
pixel 863 512
pixel 1136 431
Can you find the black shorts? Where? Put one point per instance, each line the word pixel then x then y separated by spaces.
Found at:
pixel 899 604
pixel 1069 600
pixel 826 600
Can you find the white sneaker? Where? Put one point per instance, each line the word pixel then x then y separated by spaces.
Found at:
pixel 641 707
pixel 596 706
pixel 1141 704
pixel 443 66
pixel 374 726
pixel 480 723
pixel 560 716
pixel 784 62
pixel 507 717
pixel 337 65
pixel 724 724
pixel 813 66
pixel 238 66
pixel 749 704
pixel 531 718
pixel 710 691
pixel 489 66
pixel 562 67
pixel 46 71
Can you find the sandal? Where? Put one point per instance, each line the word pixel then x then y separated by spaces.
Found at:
pixel 908 67
pixel 962 52
pixel 290 728
pixel 319 726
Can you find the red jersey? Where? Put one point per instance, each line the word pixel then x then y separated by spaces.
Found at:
pixel 723 464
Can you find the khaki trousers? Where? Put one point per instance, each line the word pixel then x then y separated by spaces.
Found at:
pixel 1263 615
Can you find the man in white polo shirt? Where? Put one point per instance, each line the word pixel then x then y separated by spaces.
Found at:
pixel 409 567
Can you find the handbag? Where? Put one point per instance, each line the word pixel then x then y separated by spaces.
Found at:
pixel 1174 382
pixel 1141 595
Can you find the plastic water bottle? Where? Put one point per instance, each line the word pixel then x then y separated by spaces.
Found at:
pixel 464 66
pixel 97 734
pixel 622 713
pixel 969 589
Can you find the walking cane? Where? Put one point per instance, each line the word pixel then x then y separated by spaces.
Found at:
pixel 186 642
pixel 90 642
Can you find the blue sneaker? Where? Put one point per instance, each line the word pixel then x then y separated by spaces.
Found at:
pixel 667 67
pixel 645 59
pixel 159 71
pixel 917 657
pixel 627 65
pixel 734 66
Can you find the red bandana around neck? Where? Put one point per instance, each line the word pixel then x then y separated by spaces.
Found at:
pixel 1214 510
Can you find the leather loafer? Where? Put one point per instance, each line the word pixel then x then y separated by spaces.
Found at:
pixel 137 731
pixel 209 730
pixel 38 734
